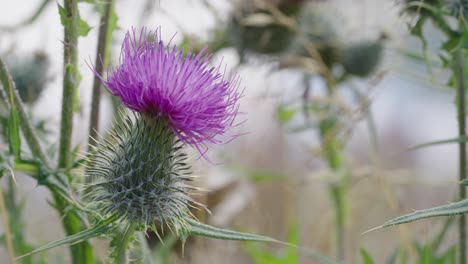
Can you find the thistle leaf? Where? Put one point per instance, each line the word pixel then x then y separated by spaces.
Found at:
pixel 95 231
pixel 441 142
pixel 457 208
pixel 199 229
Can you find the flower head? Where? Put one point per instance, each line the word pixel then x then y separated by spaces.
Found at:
pixel 160 81
pixel 140 175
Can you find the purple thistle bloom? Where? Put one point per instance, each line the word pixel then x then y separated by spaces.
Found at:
pixel 160 81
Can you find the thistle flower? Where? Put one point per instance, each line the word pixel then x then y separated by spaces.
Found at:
pixel 159 81
pixel 140 172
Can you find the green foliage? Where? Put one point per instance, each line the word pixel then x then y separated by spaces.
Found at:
pixel 101 228
pixel 162 252
pixel 290 255
pixel 285 114
pixel 366 258
pixel 199 229
pixel 425 255
pixel 14 139
pixel 264 176
pixel 82 27
pixel 452 54
pixel 444 210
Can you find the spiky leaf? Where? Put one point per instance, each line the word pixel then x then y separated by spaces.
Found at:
pixel 444 210
pixel 95 231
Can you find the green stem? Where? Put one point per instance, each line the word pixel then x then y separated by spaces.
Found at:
pixel 81 253
pixel 459 67
pixel 102 57
pixel 332 152
pixel 122 244
pixel 70 80
pixel 6 225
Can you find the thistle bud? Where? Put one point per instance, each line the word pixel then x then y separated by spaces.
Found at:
pixel 362 59
pixel 30 76
pixel 140 173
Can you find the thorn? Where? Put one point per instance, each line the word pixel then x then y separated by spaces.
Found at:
pixel 373 229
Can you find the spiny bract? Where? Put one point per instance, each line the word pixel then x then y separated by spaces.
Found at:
pixel 140 174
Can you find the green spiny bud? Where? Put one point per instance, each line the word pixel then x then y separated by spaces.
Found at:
pixel 30 76
pixel 140 173
pixel 264 39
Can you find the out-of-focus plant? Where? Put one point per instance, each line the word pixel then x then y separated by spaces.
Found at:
pixel 430 252
pixel 298 35
pixel 139 174
pixel 260 255
pixel 449 17
pixel 30 76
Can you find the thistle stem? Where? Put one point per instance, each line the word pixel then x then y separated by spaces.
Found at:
pixel 9 91
pixel 459 66
pixel 102 57
pixel 70 67
pixel 6 225
pixel 332 153
pixel 122 243
pixel 81 253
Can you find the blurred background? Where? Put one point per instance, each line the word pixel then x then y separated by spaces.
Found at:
pixel 336 94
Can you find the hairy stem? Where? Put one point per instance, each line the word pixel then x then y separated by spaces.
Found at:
pixel 122 243
pixel 6 225
pixel 82 252
pixel 332 153
pixel 459 66
pixel 102 55
pixel 70 67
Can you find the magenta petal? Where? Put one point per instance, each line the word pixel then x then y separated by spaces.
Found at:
pixel 160 81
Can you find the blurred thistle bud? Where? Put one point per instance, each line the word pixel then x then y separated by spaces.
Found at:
pixel 30 76
pixel 256 29
pixel 141 172
pixel 363 58
pixel 316 31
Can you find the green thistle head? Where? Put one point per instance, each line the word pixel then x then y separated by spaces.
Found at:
pixel 140 174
